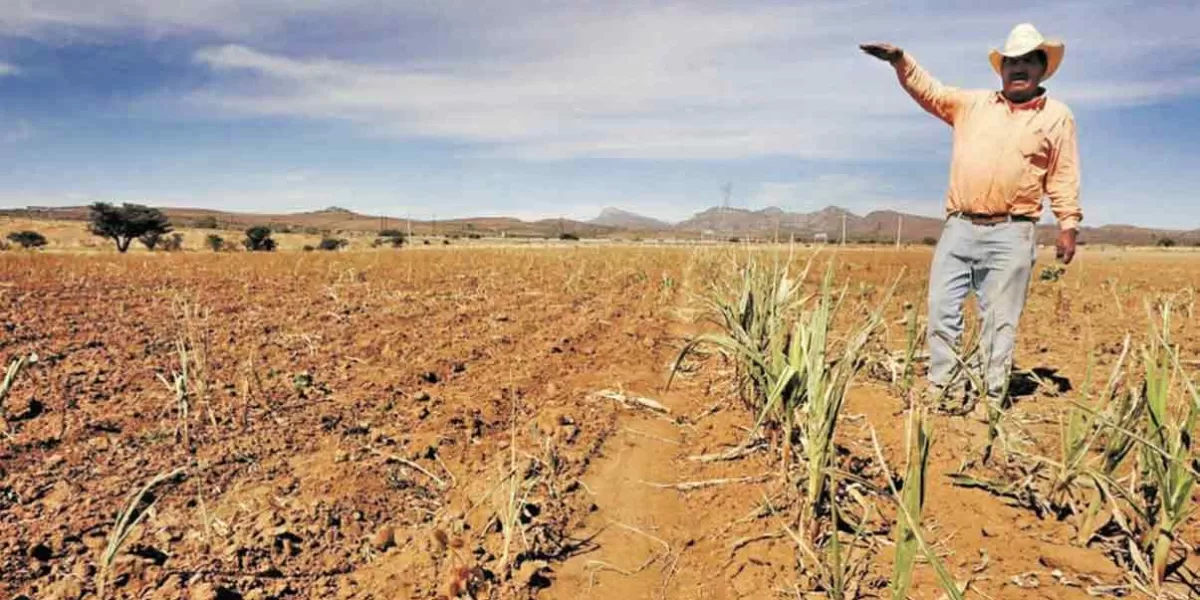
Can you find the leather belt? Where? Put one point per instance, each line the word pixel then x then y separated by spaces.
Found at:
pixel 981 219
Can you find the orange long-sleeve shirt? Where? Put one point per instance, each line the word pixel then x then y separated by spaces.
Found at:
pixel 1006 156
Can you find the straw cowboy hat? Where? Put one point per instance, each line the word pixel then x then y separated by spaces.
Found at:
pixel 1023 39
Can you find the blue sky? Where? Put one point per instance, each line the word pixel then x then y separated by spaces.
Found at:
pixel 545 109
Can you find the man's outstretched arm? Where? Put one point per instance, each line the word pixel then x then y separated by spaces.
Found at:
pixel 939 100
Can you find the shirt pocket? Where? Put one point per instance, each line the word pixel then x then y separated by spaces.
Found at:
pixel 1034 149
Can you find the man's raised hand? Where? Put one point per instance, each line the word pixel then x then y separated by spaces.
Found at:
pixel 884 52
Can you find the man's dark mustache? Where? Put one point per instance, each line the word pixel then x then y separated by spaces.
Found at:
pixel 1019 77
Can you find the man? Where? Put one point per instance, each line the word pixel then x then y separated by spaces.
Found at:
pixel 1011 148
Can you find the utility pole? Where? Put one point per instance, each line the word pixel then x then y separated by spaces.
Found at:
pixel 408 222
pixel 899 226
pixel 726 192
pixel 843 229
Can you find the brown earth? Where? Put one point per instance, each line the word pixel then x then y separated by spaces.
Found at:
pixel 388 424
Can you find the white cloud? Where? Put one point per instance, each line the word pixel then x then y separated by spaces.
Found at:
pixel 1118 93
pixel 547 80
pixel 683 82
pixel 49 18
pixel 660 83
pixel 7 69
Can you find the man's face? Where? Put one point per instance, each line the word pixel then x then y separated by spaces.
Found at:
pixel 1022 74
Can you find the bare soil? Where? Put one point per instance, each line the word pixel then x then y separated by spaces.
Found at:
pixel 420 423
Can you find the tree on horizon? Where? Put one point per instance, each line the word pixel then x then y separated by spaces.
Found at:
pixel 126 223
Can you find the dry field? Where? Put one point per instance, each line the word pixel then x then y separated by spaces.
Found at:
pixel 495 423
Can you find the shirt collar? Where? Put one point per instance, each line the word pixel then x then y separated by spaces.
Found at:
pixel 1037 103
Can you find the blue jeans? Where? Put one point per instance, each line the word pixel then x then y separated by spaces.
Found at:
pixel 995 262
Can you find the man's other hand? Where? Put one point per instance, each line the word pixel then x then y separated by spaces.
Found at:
pixel 884 52
pixel 1066 245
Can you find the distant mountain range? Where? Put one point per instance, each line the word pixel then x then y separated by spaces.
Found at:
pixel 770 223
pixel 878 226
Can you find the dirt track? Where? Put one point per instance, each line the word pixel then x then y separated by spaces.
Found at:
pixel 372 419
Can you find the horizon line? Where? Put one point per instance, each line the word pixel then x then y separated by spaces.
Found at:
pixel 669 222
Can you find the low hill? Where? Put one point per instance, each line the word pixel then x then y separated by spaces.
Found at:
pixel 336 220
pixel 881 227
pixel 764 224
pixel 622 219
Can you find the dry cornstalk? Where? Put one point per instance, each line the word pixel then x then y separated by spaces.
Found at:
pixel 630 401
pixel 410 464
pixel 10 378
pixel 730 454
pixel 651 436
pixel 133 514
pixel 746 541
pixel 689 486
pixel 595 566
